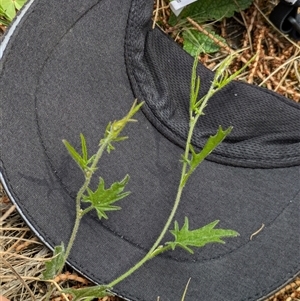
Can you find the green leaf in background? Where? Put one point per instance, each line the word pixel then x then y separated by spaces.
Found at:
pixel 214 10
pixel 3 20
pixel 186 238
pixel 56 263
pixel 88 293
pixel 8 8
pixel 203 11
pixel 193 40
pixel 102 199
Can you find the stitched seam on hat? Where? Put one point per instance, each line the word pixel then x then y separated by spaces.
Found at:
pixel 37 88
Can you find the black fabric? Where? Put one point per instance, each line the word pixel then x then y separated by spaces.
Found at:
pixel 286 18
pixel 256 141
pixel 74 70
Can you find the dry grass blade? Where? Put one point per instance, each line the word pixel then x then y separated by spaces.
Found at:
pixel 20 278
pixel 19 260
pixel 23 259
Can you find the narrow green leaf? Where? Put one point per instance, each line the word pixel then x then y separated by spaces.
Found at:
pixel 195 83
pixel 55 263
pixel 102 199
pixel 83 148
pixel 186 238
pixel 210 145
pixel 238 72
pixel 75 155
pixel 88 293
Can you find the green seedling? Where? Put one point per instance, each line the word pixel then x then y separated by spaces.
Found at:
pixel 103 200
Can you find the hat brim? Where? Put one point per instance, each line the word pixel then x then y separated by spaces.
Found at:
pixel 64 72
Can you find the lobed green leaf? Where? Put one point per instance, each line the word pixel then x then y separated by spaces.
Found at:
pixel 102 199
pixel 186 238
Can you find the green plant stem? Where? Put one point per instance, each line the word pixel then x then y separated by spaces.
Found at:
pixel 149 254
pixel 79 212
pixel 154 251
pixel 105 143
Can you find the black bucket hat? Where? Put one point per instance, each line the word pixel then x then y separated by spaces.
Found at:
pixel 70 67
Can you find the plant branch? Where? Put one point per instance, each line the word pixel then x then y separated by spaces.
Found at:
pixel 79 212
pixel 196 110
pixel 111 135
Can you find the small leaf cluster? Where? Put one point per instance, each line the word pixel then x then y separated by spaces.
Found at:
pixel 114 129
pixel 102 199
pixel 8 10
pixel 204 11
pixel 82 160
pixel 191 158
